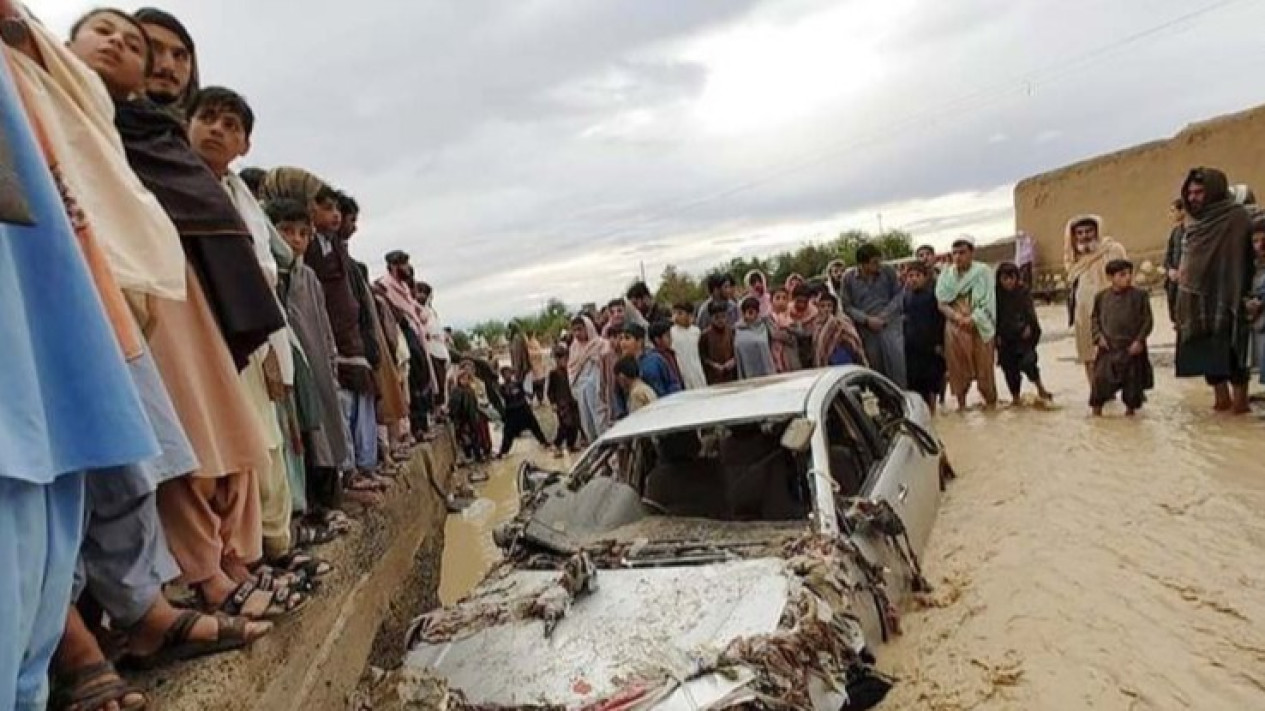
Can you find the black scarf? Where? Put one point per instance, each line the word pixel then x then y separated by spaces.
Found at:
pixel 219 247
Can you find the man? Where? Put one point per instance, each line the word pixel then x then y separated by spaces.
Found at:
pixel 436 342
pixel 220 127
pixel 720 289
pixel 398 286
pixel 1173 256
pixel 1025 257
pixel 616 319
pixel 872 297
pixel 968 299
pixel 643 310
pixel 1215 277
pixel 173 77
pixel 927 255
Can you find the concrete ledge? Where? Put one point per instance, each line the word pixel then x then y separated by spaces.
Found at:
pixel 315 659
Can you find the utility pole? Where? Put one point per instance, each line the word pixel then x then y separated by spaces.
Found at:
pixel 880 224
pixel 643 271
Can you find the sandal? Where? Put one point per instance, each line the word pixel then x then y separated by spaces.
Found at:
pixel 365 482
pixel 231 633
pixel 270 579
pixel 254 603
pixel 94 687
pixel 300 563
pixel 304 535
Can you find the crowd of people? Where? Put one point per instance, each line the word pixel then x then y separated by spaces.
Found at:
pixel 200 377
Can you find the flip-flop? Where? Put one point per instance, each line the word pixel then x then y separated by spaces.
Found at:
pixel 254 603
pixel 231 634
pixel 84 690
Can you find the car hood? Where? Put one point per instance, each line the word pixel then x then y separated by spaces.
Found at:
pixel 649 623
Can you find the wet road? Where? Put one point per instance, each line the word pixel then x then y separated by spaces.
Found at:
pixel 1079 563
pixel 1082 563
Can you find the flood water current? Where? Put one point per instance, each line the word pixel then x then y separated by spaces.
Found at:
pixel 1078 563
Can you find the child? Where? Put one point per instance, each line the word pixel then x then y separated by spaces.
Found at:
pixel 519 417
pixel 636 393
pixel 753 342
pixel 924 335
pixel 1121 324
pixel 716 347
pixel 558 388
pixel 467 418
pixel 685 337
pixel 1018 333
pixel 785 349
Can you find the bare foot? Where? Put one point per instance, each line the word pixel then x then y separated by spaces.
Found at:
pixel 1097 411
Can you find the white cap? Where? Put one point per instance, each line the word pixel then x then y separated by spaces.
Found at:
pixel 964 239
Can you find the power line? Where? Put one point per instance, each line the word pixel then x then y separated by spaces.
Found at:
pixel 962 105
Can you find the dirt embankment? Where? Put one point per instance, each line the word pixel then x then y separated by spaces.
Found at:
pixel 1095 564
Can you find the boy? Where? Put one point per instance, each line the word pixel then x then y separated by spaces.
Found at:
pixel 785 346
pixel 685 337
pixel 467 419
pixel 558 387
pixel 720 287
pixel 753 342
pixel 1256 298
pixel 1121 324
pixel 519 417
pixel 716 347
pixel 655 369
pixel 636 392
pixel 924 335
pixel 1018 332
pixel 660 334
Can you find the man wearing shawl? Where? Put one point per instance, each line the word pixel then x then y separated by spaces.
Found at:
pixel 211 518
pixel 397 285
pixel 1086 254
pixel 124 559
pixel 833 278
pixel 173 78
pixel 871 295
pixel 968 300
pixel 1214 283
pixel 70 405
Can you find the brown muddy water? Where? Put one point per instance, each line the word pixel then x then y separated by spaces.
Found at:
pixel 1079 563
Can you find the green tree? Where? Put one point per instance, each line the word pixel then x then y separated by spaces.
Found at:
pixel 491 331
pixel 461 341
pixel 676 286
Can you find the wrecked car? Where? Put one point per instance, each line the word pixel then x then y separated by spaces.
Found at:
pixel 743 546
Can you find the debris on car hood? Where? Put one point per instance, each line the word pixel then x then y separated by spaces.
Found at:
pixel 776 631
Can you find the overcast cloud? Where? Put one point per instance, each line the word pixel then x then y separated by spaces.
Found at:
pixel 533 148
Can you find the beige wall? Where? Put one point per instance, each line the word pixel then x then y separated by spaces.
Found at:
pixel 1132 189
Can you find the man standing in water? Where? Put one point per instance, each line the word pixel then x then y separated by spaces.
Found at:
pixel 1215 279
pixel 968 300
pixel 872 297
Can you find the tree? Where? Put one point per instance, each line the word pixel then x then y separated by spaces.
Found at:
pixel 461 341
pixel 491 331
pixel 676 287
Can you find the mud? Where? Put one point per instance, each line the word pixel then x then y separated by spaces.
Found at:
pixel 1082 563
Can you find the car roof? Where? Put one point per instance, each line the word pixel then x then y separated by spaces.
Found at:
pixel 743 401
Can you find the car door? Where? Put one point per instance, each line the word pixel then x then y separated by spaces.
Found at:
pixel 905 475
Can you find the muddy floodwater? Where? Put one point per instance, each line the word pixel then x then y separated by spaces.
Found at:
pixel 1078 563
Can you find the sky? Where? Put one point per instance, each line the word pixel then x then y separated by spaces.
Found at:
pixel 526 149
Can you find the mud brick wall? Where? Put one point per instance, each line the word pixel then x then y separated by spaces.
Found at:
pixel 1132 188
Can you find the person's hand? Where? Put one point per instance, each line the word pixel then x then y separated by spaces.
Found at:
pixel 1253 306
pixel 1172 275
pixel 875 323
pixel 1103 345
pixel 1136 348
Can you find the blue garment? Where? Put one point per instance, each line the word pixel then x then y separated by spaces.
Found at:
pixel 69 402
pixel 40 529
pixel 360 414
pixel 841 356
pixel 656 372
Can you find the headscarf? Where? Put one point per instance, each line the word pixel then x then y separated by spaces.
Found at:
pixel 290 183
pixel 766 299
pixel 595 349
pixel 838 330
pixel 139 239
pixel 978 287
pixel 167 21
pixel 1078 264
pixel 400 295
pixel 1217 261
pixel 217 244
pixel 792 281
